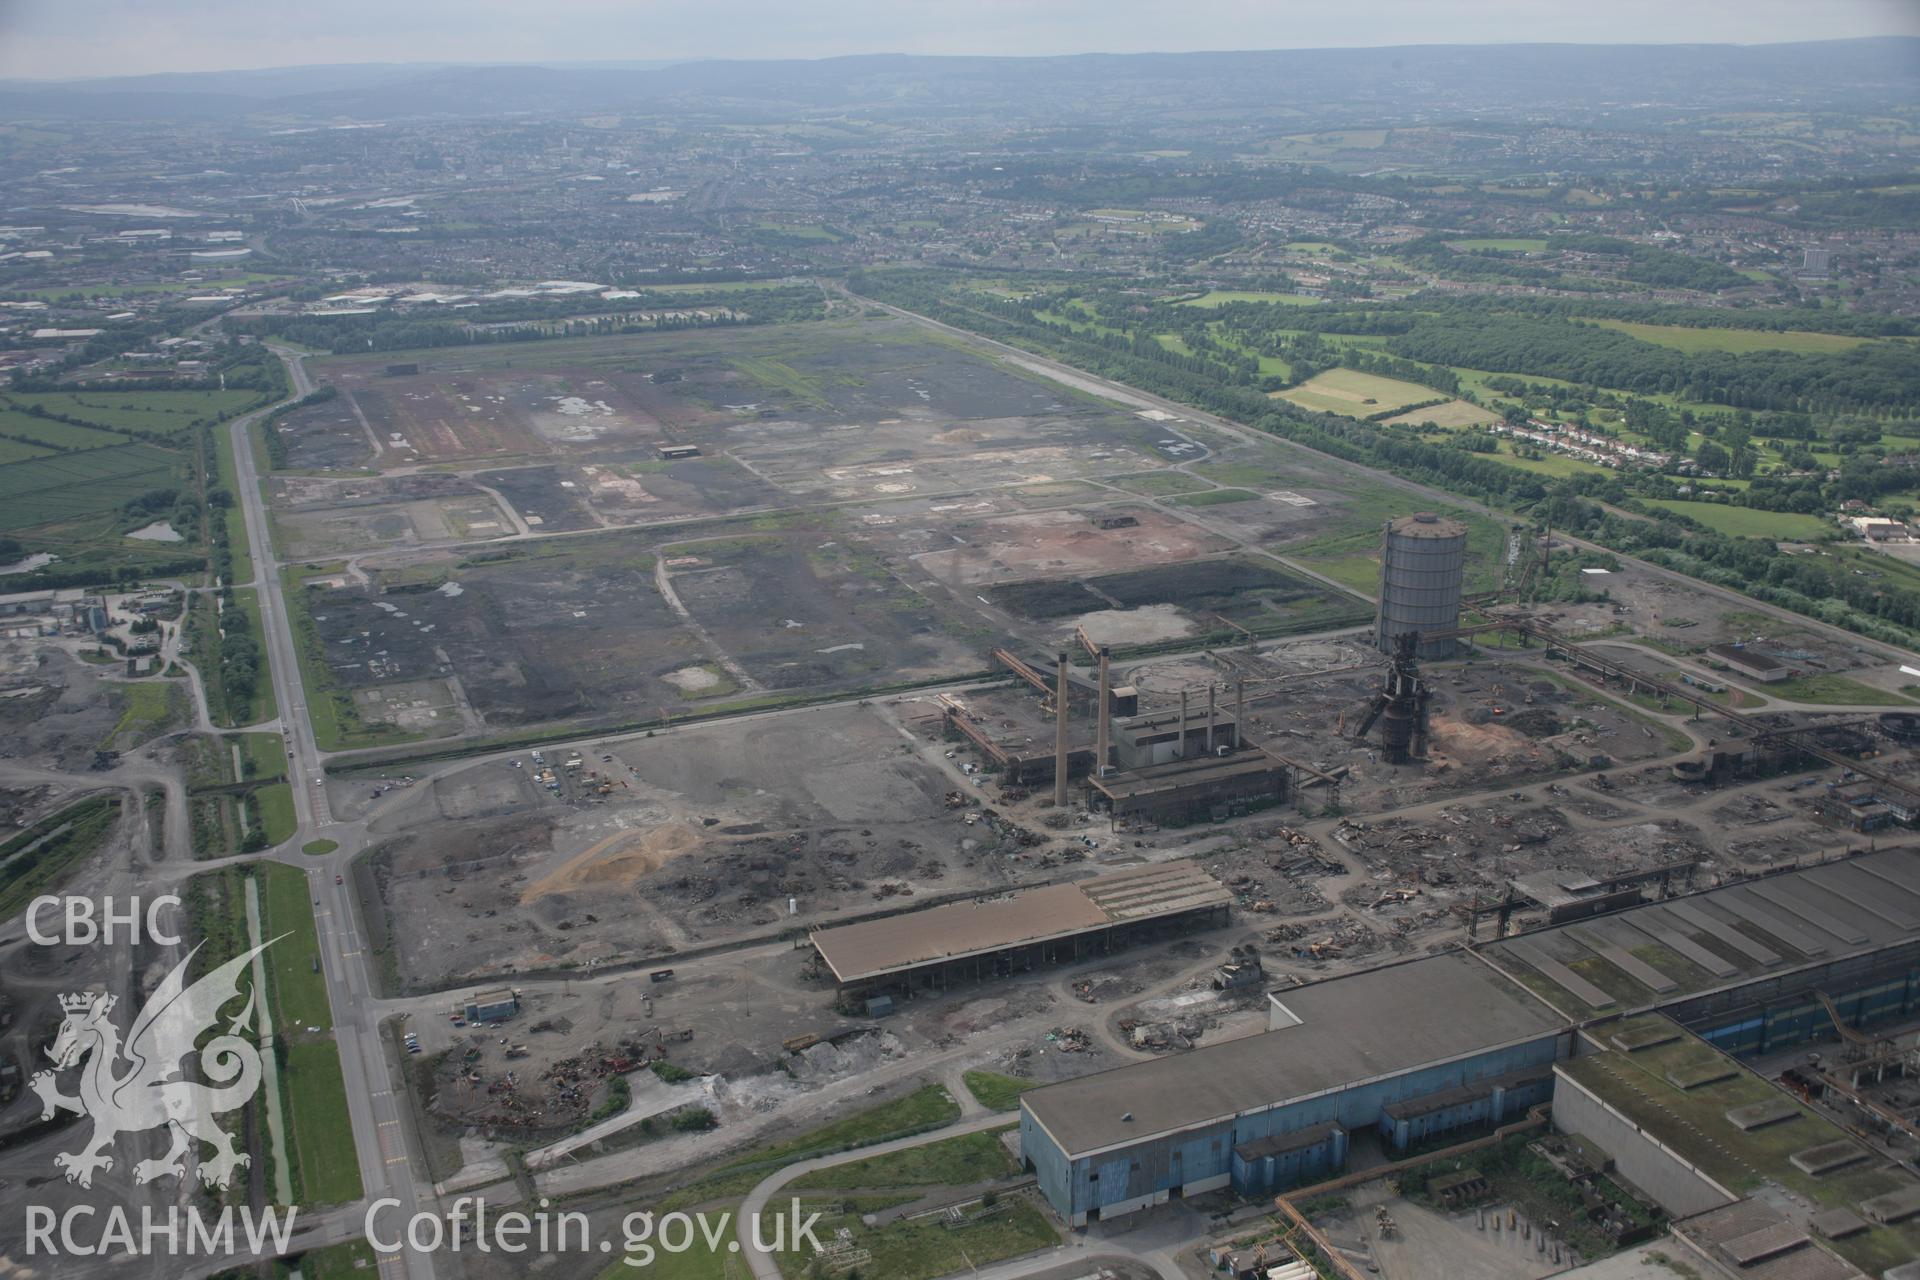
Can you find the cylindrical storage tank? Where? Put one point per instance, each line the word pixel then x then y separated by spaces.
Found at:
pixel 1901 726
pixel 1423 560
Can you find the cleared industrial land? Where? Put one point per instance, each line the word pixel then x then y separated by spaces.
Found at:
pixel 615 531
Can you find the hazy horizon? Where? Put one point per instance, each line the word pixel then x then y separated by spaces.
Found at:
pixel 44 40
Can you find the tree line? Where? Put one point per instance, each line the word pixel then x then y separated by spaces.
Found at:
pixel 1821 587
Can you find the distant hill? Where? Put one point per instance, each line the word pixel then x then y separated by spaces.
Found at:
pixel 1547 80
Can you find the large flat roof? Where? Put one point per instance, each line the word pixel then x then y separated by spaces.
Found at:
pixel 875 948
pixel 1349 1029
pixel 1692 1096
pixel 1665 951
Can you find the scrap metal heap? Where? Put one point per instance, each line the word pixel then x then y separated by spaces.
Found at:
pixel 1404 700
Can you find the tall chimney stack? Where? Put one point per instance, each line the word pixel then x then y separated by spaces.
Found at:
pixel 1060 736
pixel 1180 743
pixel 1101 743
pixel 1239 711
pixel 1209 717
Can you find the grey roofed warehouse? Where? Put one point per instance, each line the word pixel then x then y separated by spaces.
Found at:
pixel 1332 1035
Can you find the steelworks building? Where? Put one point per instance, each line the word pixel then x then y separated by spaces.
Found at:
pixel 996 937
pixel 1409 1050
pixel 1470 1039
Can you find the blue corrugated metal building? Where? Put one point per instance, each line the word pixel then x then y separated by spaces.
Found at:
pixel 1468 1040
pixel 1744 966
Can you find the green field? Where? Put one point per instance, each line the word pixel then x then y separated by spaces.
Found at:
pixel 264 756
pixel 328 1168
pixel 346 1261
pixel 1835 690
pixel 1735 341
pixel 1220 297
pixel 63 436
pixel 1359 570
pixel 147 708
pixel 150 286
pixel 1349 553
pixel 1356 395
pixel 1503 244
pixel 776 375
pixel 1746 522
pixel 1451 416
pixel 802 231
pixel 275 803
pixel 165 412
pixel 19 451
pixel 64 486
pixel 926 1108
pixel 1558 465
pixel 286 907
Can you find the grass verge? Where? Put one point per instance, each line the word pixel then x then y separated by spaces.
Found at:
pixel 921 1248
pixel 994 1091
pixel 969 1158
pixel 147 709
pixel 320 1132
pixel 926 1108
pixel 1836 690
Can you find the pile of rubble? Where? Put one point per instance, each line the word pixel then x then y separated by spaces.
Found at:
pixel 1318 941
pixel 557 1099
pixel 1010 831
pixel 1068 1040
pixel 1160 1037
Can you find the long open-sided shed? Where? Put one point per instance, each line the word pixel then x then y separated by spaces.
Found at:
pixel 996 936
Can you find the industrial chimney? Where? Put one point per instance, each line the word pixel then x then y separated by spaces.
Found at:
pixel 1060 735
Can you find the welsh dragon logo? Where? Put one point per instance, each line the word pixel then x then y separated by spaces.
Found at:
pixel 136 1086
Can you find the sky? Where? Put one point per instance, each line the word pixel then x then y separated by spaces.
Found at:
pixel 43 39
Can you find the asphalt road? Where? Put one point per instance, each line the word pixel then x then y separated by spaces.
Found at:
pixel 379 1138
